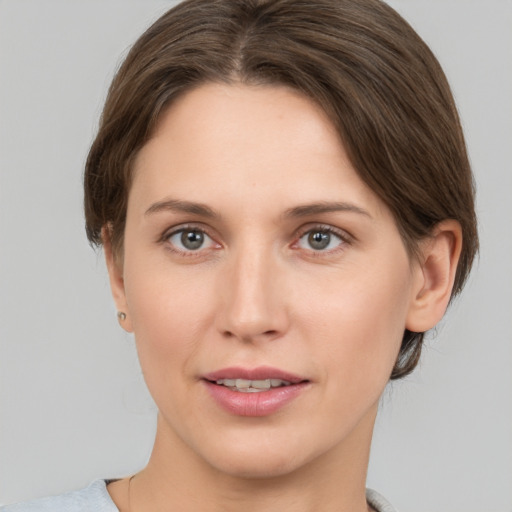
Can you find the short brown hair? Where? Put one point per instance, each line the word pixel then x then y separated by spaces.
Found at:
pixel 359 60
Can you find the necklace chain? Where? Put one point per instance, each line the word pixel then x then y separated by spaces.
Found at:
pixel 129 492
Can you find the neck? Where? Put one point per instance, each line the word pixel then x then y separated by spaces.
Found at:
pixel 176 478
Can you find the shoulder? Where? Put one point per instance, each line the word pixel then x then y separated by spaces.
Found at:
pixel 94 497
pixel 378 502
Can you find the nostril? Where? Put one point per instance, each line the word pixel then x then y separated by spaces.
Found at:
pixel 246 337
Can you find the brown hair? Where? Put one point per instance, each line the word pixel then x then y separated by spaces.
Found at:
pixel 359 60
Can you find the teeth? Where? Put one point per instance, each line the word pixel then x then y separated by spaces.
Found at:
pixel 242 383
pixel 261 384
pixel 252 386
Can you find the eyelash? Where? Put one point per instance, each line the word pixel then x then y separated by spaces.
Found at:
pixel 183 229
pixel 343 236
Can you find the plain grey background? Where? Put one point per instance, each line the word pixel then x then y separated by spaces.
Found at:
pixel 72 402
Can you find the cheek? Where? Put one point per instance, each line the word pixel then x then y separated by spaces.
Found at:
pixel 361 320
pixel 169 311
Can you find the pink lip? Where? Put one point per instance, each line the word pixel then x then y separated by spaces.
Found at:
pixel 259 373
pixel 261 403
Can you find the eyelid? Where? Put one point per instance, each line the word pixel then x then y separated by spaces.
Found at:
pixel 344 236
pixel 168 233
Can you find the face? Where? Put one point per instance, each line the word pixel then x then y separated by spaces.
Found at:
pixel 253 251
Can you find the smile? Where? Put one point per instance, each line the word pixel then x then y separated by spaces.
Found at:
pixel 252 386
pixel 254 392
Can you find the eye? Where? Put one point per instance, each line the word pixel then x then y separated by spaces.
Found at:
pixel 190 240
pixel 320 239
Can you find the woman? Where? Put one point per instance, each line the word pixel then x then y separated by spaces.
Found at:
pixel 285 202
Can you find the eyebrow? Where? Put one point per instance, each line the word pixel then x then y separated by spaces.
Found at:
pixel 203 210
pixel 177 205
pixel 324 207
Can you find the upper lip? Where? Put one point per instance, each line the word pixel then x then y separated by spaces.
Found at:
pixel 259 373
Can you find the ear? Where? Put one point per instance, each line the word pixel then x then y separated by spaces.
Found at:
pixel 435 275
pixel 116 276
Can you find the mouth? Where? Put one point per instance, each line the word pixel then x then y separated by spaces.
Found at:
pixel 251 386
pixel 253 380
pixel 254 392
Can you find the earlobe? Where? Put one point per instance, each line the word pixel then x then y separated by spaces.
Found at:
pixel 434 276
pixel 115 272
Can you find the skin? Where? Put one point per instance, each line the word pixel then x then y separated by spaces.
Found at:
pixel 258 293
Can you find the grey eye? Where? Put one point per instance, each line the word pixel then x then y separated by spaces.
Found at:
pixel 192 240
pixel 186 240
pixel 320 240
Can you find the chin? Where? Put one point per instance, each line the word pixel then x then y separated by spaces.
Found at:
pixel 258 459
pixel 262 467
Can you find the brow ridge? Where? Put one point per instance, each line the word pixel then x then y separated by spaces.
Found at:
pixel 204 210
pixel 324 207
pixel 178 205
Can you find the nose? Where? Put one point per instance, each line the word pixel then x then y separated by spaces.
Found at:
pixel 253 302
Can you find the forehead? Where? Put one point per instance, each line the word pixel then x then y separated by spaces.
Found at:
pixel 244 143
pixel 233 118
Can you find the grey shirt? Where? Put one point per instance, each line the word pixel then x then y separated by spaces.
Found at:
pixel 95 498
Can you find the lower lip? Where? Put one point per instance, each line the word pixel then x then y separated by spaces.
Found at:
pixel 261 403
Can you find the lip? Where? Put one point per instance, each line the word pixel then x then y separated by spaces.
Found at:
pixel 262 403
pixel 259 373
